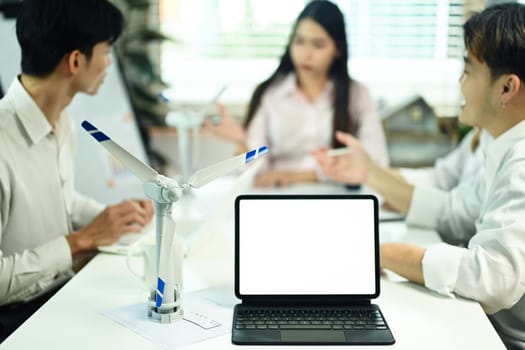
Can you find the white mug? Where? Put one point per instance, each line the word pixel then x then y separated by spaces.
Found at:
pixel 146 249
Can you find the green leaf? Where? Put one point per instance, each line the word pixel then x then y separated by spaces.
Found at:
pixel 157 84
pixel 462 130
pixel 144 93
pixel 150 117
pixel 138 4
pixel 153 110
pixel 141 62
pixel 149 35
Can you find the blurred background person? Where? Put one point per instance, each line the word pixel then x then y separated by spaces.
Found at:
pixel 296 110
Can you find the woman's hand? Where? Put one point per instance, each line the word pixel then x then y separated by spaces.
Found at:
pixel 228 128
pixel 284 178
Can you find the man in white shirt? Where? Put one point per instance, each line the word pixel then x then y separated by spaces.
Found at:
pixel 45 226
pixel 483 219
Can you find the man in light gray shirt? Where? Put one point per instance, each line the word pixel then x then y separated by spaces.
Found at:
pixel 45 225
pixel 482 220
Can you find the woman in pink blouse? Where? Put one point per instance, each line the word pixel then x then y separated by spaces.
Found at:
pixel 296 110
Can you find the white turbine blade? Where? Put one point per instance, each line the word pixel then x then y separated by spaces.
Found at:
pixel 205 175
pixel 195 149
pixel 164 293
pixel 140 169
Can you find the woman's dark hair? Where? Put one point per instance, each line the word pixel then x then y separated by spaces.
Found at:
pixel 328 16
pixel 49 29
pixel 496 36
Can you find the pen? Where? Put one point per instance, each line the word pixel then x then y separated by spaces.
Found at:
pixel 215 119
pixel 338 151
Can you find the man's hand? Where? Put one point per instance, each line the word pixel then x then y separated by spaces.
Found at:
pixel 111 224
pixel 147 205
pixel 352 167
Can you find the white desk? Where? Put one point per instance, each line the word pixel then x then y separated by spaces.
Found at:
pixel 73 318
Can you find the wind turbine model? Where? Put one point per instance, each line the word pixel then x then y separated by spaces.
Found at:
pixel 164 303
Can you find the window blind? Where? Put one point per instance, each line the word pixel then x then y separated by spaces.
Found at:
pixel 377 29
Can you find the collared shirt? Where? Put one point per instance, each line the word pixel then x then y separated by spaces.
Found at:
pixel 38 205
pixel 292 126
pixel 455 168
pixel 487 214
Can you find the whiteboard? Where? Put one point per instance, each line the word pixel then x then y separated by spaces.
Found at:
pixel 97 174
pixel 10 56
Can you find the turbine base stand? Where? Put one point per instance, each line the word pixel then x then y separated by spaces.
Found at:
pixel 170 313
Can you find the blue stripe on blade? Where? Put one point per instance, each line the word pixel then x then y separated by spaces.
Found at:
pixel 100 136
pixel 160 292
pixel 88 126
pixel 262 150
pixel 158 300
pixel 250 156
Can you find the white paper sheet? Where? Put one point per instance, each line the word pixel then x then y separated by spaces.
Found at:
pixel 205 320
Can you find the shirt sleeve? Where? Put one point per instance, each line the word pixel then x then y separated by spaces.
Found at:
pixel 491 269
pixel 440 267
pixel 27 273
pixel 452 213
pixel 84 210
pixel 488 271
pixel 371 133
pixel 418 176
pixel 425 212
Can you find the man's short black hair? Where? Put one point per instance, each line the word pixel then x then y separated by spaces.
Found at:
pixel 496 36
pixel 49 29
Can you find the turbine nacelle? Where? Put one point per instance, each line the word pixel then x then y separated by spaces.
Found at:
pixel 163 189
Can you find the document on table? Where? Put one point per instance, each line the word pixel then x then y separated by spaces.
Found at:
pixel 202 320
pixel 386 215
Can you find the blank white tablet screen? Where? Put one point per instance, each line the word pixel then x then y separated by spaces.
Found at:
pixel 306 246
